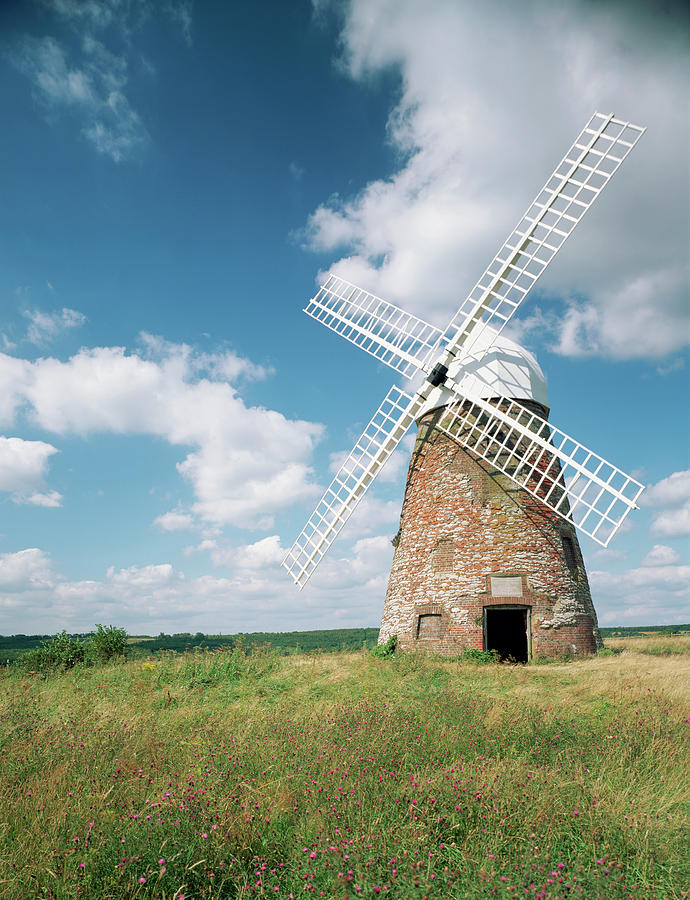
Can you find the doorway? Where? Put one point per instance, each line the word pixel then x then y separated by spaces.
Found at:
pixel 506 630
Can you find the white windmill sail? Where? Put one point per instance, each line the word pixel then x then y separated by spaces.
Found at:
pixel 393 336
pixel 563 474
pixel 406 342
pixel 575 184
pixel 379 439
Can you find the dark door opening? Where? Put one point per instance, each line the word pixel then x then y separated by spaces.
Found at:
pixel 506 632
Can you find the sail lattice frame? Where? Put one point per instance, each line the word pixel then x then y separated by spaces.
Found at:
pixel 390 334
pixel 377 442
pixel 573 481
pixel 577 181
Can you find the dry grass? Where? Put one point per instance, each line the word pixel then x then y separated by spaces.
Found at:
pixel 653 643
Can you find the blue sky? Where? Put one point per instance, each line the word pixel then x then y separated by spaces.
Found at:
pixel 177 175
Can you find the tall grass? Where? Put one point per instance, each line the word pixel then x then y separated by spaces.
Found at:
pixel 230 774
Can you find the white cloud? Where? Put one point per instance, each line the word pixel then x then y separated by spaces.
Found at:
pixel 672 497
pixel 608 554
pixel 42 498
pixel 673 365
pixel 661 555
pixel 174 521
pixel 127 16
pixel 260 555
pixel 613 325
pixel 23 466
pixel 670 491
pixel 224 365
pixel 156 597
pixel 245 463
pixel 650 594
pixel 478 128
pixel 46 326
pixel 296 171
pixel 673 522
pixel 23 571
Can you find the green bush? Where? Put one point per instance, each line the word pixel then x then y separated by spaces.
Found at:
pixel 60 652
pixel 383 651
pixel 64 651
pixel 106 643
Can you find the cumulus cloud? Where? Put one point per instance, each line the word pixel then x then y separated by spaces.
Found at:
pixel 223 365
pixel 245 463
pixel 27 570
pixel 661 555
pixel 260 555
pixel 670 499
pixel 149 598
pixel 23 466
pixel 649 594
pixel 474 149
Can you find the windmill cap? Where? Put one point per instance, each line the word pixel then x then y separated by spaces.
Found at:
pixel 494 366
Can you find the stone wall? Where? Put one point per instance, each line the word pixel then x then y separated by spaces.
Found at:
pixel 471 539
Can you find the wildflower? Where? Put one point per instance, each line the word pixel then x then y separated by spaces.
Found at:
pixel 161 862
pixel 142 880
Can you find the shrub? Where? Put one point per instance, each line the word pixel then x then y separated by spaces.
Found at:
pixel 383 651
pixel 61 651
pixel 106 643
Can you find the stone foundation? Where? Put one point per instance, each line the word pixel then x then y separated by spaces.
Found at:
pixel 471 540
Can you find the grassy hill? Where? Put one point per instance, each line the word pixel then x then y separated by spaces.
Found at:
pixel 225 774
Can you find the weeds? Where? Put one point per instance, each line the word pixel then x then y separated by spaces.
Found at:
pixel 239 773
pixel 383 651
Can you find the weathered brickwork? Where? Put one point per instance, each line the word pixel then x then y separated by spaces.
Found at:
pixel 470 540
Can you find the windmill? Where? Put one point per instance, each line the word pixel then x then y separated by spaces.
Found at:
pixel 478 411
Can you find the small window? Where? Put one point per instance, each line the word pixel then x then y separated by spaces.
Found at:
pixel 429 627
pixel 569 551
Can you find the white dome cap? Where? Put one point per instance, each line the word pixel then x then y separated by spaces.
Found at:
pixel 504 369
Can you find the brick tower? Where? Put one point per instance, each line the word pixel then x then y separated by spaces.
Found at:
pixel 479 562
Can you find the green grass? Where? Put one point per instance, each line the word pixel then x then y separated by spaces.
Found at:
pixel 344 775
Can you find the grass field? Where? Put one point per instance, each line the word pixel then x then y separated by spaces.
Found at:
pixel 339 775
